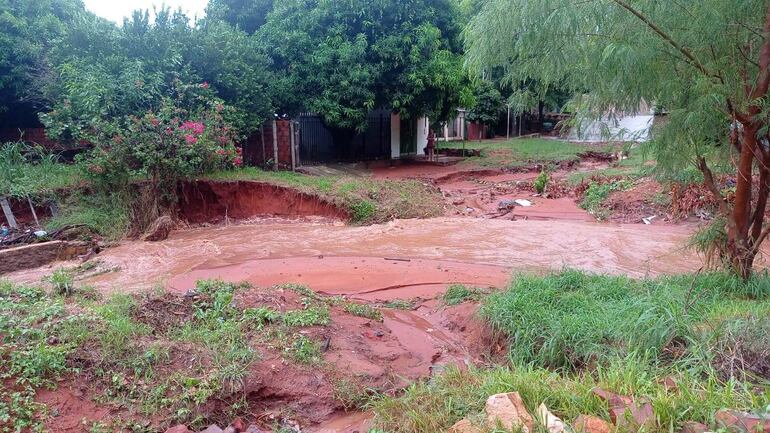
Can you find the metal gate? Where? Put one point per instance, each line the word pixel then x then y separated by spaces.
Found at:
pixel 317 142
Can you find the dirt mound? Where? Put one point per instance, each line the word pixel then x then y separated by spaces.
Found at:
pixel 214 201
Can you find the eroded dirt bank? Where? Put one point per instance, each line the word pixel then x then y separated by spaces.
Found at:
pixel 213 201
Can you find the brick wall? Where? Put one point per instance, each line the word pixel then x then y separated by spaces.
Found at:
pixel 252 149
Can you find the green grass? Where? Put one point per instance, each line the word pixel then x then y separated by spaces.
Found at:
pixel 363 310
pixel 519 151
pixel 37 336
pixel 597 193
pixel 30 171
pixel 367 200
pixel 457 294
pixel 436 405
pixel 569 332
pixel 107 215
pixel 636 165
pixel 572 319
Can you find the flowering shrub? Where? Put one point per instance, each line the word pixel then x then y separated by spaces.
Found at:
pixel 186 136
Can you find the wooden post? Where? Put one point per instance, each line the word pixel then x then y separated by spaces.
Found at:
pixel 34 214
pixel 262 134
pixel 275 144
pixel 293 150
pixel 8 213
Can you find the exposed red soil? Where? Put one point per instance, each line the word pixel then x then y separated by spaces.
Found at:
pixel 638 202
pixel 71 408
pixel 213 201
pixel 367 278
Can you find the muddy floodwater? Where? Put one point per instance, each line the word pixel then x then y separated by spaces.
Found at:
pixel 404 258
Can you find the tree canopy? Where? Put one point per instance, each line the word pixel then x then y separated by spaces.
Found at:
pixel 703 63
pixel 343 58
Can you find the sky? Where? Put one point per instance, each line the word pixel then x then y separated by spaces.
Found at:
pixel 116 10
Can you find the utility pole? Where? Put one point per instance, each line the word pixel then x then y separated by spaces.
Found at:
pixel 508 124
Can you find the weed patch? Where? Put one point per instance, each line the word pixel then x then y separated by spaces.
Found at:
pixel 457 294
pixel 363 310
pixel 597 193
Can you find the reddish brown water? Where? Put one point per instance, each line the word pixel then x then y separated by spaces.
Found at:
pixel 442 250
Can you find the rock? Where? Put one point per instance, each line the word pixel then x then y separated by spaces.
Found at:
pixel 633 417
pixel 694 427
pixel 508 410
pixel 179 429
pixel 159 230
pixel 553 423
pixel 626 413
pixel 669 383
pixel 458 201
pixel 739 422
pixel 592 424
pixel 213 428
pixel 612 398
pixel 506 205
pixel 237 426
pixel 464 426
pixel 254 429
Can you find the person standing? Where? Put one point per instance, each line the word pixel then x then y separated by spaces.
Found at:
pixel 430 149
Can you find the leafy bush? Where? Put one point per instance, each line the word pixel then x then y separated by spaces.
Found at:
pixel 186 136
pixel 541 182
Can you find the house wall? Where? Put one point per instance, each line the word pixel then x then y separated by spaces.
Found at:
pixel 395 136
pixel 423 127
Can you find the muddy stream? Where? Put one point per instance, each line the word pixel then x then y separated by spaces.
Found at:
pixel 403 259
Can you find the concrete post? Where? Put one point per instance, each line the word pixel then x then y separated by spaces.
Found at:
pixel 275 144
pixel 8 213
pixel 395 136
pixel 293 149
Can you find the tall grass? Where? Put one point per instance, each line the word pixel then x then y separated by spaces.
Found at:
pixel 571 319
pixel 28 171
pixel 570 332
pixel 456 394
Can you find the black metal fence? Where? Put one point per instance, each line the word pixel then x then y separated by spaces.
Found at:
pixel 320 144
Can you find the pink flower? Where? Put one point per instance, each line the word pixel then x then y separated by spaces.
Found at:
pixel 220 152
pixel 190 139
pixel 205 85
pixel 238 161
pixel 196 128
pixel 155 122
pixel 219 108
